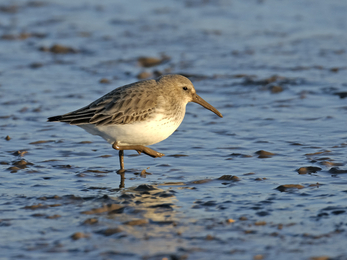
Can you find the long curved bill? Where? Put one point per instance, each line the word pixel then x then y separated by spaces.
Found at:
pixel 200 101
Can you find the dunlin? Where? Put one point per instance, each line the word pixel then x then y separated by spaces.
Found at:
pixel 136 115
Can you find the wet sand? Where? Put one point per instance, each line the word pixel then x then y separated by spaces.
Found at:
pixel 268 181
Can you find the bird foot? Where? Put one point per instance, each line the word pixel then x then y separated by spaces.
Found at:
pixel 140 149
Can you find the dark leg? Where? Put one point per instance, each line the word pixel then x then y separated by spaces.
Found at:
pixel 140 149
pixel 121 162
pixel 121 159
pixel 121 185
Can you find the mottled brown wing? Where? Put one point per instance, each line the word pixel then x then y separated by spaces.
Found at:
pixel 124 105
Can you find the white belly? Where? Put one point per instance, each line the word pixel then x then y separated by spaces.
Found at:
pixel 139 133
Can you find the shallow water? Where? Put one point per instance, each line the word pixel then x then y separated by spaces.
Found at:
pixel 276 70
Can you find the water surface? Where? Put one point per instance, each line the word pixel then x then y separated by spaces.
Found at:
pixel 275 69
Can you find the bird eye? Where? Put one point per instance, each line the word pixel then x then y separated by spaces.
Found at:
pixel 185 88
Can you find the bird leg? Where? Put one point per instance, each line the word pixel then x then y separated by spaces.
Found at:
pixel 122 178
pixel 121 159
pixel 139 148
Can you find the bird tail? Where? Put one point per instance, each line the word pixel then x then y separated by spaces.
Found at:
pixel 54 119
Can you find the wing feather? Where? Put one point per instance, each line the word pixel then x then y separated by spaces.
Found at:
pixel 124 105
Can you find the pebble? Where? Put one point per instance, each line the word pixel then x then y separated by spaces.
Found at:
pixel 308 169
pixel 53 216
pixel 323 257
pixel 20 153
pixel 104 81
pixel 286 187
pixel 337 170
pixel 137 222
pixel 276 89
pixel 260 223
pixel 201 181
pixel 229 178
pixel 258 257
pixel 209 237
pixel 78 235
pixel 264 154
pixel 152 61
pixel 144 75
pixel 110 231
pixel 59 49
pixel 107 208
pixel 90 221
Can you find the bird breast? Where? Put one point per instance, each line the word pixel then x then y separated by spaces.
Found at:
pixel 156 129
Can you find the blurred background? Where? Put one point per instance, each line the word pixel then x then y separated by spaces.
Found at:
pixel 267 181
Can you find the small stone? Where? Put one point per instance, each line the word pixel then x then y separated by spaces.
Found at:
pixel 107 208
pixel 229 178
pixel 59 49
pixel 149 61
pixel 110 231
pixel 53 216
pixel 90 221
pixel 258 257
pixel 104 81
pixel 7 138
pixel 330 164
pixel 42 142
pixel 260 179
pixel 230 220
pixel 20 153
pixel 209 237
pixel 289 186
pixel 243 218
pixel 337 170
pixel 138 222
pixel 260 223
pixel 22 164
pixel 105 156
pixel 35 206
pixel 276 89
pixel 323 257
pixel 316 153
pixel 78 235
pixel 308 169
pixel 264 154
pixel 152 61
pixel 144 75
pixel 201 181
pixel 13 169
pixel 145 187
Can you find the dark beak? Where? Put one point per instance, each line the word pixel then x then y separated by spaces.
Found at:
pixel 200 101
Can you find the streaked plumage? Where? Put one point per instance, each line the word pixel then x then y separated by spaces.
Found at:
pixel 139 114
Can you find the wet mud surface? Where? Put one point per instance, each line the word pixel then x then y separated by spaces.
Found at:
pixel 267 181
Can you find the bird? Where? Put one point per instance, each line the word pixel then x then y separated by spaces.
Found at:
pixel 134 116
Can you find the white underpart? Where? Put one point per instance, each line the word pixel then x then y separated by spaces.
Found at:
pixel 146 132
